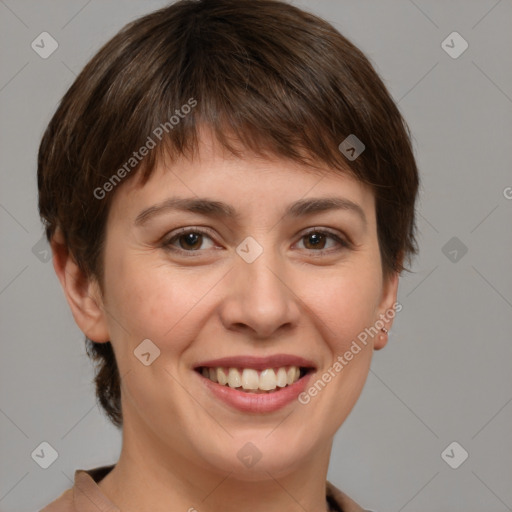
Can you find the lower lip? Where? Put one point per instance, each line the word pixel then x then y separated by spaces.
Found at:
pixel 257 402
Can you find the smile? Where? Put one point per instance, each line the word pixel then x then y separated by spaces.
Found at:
pixel 255 384
pixel 253 381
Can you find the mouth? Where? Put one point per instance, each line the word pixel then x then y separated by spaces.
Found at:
pixel 255 381
pixel 256 385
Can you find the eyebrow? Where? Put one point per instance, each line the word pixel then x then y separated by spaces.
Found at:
pixel 218 209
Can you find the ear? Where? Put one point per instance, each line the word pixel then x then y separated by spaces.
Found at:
pixel 82 293
pixel 387 308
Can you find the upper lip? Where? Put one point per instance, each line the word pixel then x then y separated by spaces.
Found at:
pixel 257 363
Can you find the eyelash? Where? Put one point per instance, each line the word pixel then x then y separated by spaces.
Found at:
pixel 201 231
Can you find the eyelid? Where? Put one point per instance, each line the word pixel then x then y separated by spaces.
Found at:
pixel 190 229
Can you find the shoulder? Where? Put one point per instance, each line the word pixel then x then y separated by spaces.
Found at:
pixel 64 503
pixel 344 503
pixel 85 495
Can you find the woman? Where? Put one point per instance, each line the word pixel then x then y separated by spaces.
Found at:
pixel 229 190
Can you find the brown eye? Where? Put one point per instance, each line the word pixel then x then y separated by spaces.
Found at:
pixel 190 241
pixel 187 241
pixel 317 240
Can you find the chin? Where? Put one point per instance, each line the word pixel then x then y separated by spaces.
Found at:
pixel 258 457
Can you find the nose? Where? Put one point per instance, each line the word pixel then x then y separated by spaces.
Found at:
pixel 260 299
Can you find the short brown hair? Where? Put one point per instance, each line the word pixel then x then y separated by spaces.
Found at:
pixel 286 82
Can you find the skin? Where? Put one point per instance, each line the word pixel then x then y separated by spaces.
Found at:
pixel 179 444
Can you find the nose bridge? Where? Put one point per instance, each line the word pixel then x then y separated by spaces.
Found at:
pixel 260 276
pixel 259 296
pixel 260 286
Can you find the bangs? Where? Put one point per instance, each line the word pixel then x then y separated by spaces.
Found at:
pixel 254 91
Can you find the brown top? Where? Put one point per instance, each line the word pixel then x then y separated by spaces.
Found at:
pixel 86 496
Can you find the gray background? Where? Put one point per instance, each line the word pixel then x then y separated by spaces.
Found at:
pixel 446 373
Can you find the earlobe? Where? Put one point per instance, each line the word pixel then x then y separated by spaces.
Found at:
pixel 82 292
pixel 387 310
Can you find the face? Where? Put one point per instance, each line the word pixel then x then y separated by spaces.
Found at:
pixel 269 284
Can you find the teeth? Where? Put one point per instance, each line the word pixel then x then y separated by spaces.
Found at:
pixel 268 380
pixel 251 380
pixel 292 375
pixel 234 378
pixel 281 378
pixel 222 378
pixel 212 374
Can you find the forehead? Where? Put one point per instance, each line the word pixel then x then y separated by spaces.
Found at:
pixel 246 182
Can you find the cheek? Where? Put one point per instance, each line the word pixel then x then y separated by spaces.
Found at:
pixel 154 301
pixel 345 302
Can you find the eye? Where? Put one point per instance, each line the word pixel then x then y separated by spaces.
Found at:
pixel 316 239
pixel 188 239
